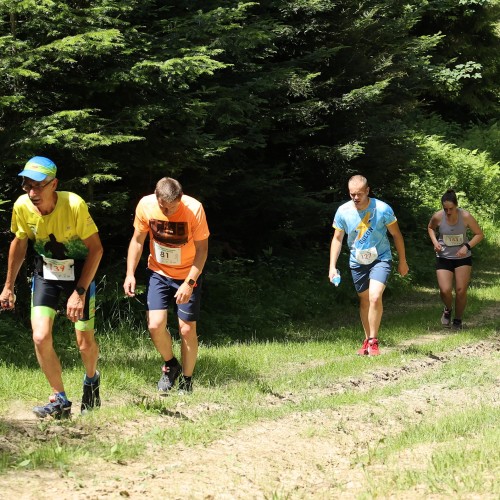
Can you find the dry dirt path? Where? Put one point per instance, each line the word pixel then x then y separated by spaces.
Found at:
pixel 322 454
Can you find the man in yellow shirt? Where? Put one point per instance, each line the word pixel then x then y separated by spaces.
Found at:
pixel 178 248
pixel 67 254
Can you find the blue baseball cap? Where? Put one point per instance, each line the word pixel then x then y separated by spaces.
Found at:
pixel 39 168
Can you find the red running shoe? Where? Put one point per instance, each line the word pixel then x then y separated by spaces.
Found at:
pixel 373 347
pixel 364 350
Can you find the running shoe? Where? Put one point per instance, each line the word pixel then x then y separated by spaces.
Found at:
pixel 457 324
pixel 373 347
pixel 169 376
pixel 185 385
pixel 91 398
pixel 56 408
pixel 446 318
pixel 364 349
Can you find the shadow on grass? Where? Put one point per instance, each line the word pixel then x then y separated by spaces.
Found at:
pixel 157 405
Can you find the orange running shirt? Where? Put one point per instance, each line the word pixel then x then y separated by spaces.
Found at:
pixel 171 239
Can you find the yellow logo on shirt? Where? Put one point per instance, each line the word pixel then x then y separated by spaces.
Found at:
pixel 363 226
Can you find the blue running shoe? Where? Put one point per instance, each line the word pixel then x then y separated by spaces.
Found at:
pixel 57 408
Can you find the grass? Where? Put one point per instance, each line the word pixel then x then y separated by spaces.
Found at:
pixel 455 454
pixel 298 371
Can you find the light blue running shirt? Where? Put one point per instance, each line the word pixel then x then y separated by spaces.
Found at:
pixel 366 231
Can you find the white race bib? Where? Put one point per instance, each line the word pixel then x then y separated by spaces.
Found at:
pixel 366 256
pixel 453 240
pixel 167 255
pixel 56 269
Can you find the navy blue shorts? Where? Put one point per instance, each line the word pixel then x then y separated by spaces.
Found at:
pixel 378 270
pixel 452 264
pixel 161 291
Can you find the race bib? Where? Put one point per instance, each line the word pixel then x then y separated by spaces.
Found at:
pixel 55 269
pixel 167 255
pixel 453 240
pixel 366 256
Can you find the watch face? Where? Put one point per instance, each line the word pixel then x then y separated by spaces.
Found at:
pixel 191 282
pixel 80 290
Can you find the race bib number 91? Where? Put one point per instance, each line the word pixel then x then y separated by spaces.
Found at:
pixel 166 255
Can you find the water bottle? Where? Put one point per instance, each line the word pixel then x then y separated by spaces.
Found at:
pixel 336 279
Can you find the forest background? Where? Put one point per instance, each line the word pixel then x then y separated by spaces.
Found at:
pixel 262 110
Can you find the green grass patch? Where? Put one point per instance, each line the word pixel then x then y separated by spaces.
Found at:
pixel 457 454
pixel 268 374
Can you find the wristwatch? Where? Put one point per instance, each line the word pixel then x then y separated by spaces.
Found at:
pixel 80 290
pixel 191 283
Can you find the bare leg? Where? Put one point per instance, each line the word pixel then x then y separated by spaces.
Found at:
pixel 189 346
pixel 157 325
pixel 376 309
pixel 462 279
pixel 364 308
pixel 45 353
pixel 89 350
pixel 445 283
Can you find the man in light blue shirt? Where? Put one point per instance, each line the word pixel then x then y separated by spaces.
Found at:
pixel 366 221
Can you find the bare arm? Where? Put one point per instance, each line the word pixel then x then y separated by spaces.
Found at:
pixel 400 248
pixel 135 249
pixel 74 307
pixel 335 248
pixel 184 293
pixel 431 229
pixel 474 227
pixel 17 254
pixel 472 224
pixel 94 256
pixel 199 259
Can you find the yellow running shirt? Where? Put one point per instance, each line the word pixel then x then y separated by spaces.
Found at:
pixel 59 234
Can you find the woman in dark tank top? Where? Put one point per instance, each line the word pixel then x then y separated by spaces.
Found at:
pixel 453 255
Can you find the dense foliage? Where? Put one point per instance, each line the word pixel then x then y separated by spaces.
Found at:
pixel 261 109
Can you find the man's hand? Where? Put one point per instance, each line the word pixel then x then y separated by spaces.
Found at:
pixel 7 299
pixel 74 308
pixel 129 286
pixel 403 268
pixel 183 294
pixel 331 273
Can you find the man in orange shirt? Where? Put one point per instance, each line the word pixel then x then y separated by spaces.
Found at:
pixel 178 246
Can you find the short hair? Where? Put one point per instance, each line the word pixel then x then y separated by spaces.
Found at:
pixel 168 190
pixel 358 178
pixel 450 195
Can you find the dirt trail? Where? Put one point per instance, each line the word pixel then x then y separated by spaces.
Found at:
pixel 322 454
